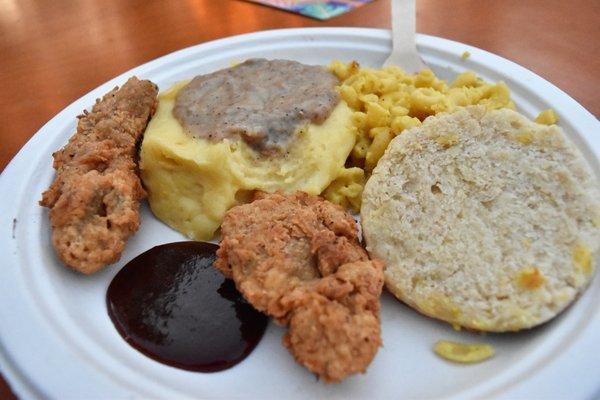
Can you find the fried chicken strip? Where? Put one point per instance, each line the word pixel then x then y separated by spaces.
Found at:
pixel 297 258
pixel 94 199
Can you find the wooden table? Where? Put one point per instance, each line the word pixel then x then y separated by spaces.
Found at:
pixel 53 52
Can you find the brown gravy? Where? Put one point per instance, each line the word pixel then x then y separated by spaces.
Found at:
pixel 263 102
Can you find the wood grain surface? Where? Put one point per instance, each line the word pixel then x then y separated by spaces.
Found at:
pixel 55 51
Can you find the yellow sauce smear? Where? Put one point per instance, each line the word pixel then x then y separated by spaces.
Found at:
pixel 462 352
pixel 531 278
pixel 441 307
pixel 447 140
pixel 582 258
pixel 524 137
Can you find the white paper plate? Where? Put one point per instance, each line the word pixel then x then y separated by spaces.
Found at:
pixel 57 341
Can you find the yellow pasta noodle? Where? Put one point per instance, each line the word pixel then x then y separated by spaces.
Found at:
pixel 347 189
pixel 547 117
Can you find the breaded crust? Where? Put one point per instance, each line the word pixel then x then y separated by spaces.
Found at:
pixel 94 199
pixel 296 258
pixel 484 219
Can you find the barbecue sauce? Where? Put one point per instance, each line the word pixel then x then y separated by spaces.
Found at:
pixel 171 304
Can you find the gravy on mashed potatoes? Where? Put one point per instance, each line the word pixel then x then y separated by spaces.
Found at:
pixel 193 178
pixel 261 101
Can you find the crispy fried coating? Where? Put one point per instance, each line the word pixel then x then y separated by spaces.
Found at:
pixel 94 199
pixel 297 258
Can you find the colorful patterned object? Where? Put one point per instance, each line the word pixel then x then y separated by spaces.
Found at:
pixel 314 8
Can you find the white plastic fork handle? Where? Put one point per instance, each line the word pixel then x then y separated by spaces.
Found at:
pixel 404 47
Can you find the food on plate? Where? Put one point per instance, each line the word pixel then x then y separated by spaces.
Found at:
pixel 484 219
pixel 387 101
pixel 463 353
pixel 261 125
pixel 94 199
pixel 296 257
pixel 172 305
pixel 547 117
pixel 259 101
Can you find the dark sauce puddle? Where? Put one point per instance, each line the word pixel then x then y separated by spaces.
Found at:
pixel 171 304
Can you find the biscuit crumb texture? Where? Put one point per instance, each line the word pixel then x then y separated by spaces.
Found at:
pixel 458 225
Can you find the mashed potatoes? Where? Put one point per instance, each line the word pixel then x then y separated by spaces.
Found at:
pixel 192 182
pixel 386 102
